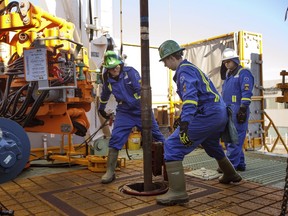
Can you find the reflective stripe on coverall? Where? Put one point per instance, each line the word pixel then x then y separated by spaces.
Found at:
pixel 127 92
pixel 203 109
pixel 237 90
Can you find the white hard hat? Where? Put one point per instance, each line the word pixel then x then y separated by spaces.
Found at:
pixel 229 53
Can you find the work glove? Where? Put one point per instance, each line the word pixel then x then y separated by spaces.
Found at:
pixel 242 114
pixel 104 114
pixel 223 71
pixel 184 138
pixel 176 123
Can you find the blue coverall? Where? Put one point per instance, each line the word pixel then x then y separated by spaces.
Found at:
pixel 236 90
pixel 127 92
pixel 204 110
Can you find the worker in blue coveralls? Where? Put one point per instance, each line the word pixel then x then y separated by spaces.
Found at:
pixel 125 84
pixel 237 92
pixel 202 119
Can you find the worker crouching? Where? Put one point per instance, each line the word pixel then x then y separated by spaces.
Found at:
pixel 202 120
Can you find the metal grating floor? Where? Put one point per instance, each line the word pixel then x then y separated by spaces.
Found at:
pixel 261 168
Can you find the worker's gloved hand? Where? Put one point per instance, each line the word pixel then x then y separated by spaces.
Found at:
pixel 223 71
pixel 184 138
pixel 104 114
pixel 176 123
pixel 242 114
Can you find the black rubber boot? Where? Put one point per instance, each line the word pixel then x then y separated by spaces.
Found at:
pixel 219 170
pixel 229 173
pixel 109 176
pixel 177 188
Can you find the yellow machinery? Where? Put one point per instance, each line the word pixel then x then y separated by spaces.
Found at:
pixel 49 86
pixel 44 86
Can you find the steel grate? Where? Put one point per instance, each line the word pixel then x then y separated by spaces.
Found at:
pixel 261 168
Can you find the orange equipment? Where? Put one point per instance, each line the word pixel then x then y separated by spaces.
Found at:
pixel 44 86
pixel 46 89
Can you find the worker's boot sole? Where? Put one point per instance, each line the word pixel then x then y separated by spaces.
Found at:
pixel 173 202
pixel 219 170
pixel 235 179
pixel 241 169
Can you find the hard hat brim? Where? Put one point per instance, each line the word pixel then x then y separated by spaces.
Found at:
pixel 117 62
pixel 234 59
pixel 165 56
pixel 230 58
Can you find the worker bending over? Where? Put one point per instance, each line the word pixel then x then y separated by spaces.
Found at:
pixel 125 84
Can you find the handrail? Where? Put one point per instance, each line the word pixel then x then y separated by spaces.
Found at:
pixel 278 135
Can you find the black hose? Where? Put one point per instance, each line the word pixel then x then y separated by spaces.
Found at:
pixel 129 157
pixel 22 110
pixel 35 108
pixel 5 96
pixel 91 21
pixel 55 165
pixel 90 138
pixel 9 7
pixel 14 100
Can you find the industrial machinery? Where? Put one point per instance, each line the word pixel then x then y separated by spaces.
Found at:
pixel 45 84
pixel 43 80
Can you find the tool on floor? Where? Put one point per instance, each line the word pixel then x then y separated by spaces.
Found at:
pixel 5 211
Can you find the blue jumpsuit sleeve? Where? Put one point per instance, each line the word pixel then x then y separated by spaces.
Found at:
pixel 246 85
pixel 105 95
pixel 135 78
pixel 188 89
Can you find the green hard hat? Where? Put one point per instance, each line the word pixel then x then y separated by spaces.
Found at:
pixel 111 60
pixel 168 48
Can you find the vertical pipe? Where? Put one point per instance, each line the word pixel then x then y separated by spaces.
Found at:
pixel 146 101
pixel 62 144
pixel 171 102
pixel 121 29
pixel 45 146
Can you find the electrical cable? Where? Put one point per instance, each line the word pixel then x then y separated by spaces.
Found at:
pixel 25 104
pixel 9 7
pixel 35 107
pixel 129 157
pixel 14 101
pixel 5 96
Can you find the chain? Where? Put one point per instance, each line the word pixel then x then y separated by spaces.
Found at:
pixel 285 195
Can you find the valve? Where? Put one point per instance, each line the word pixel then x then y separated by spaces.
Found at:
pixel 81 75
